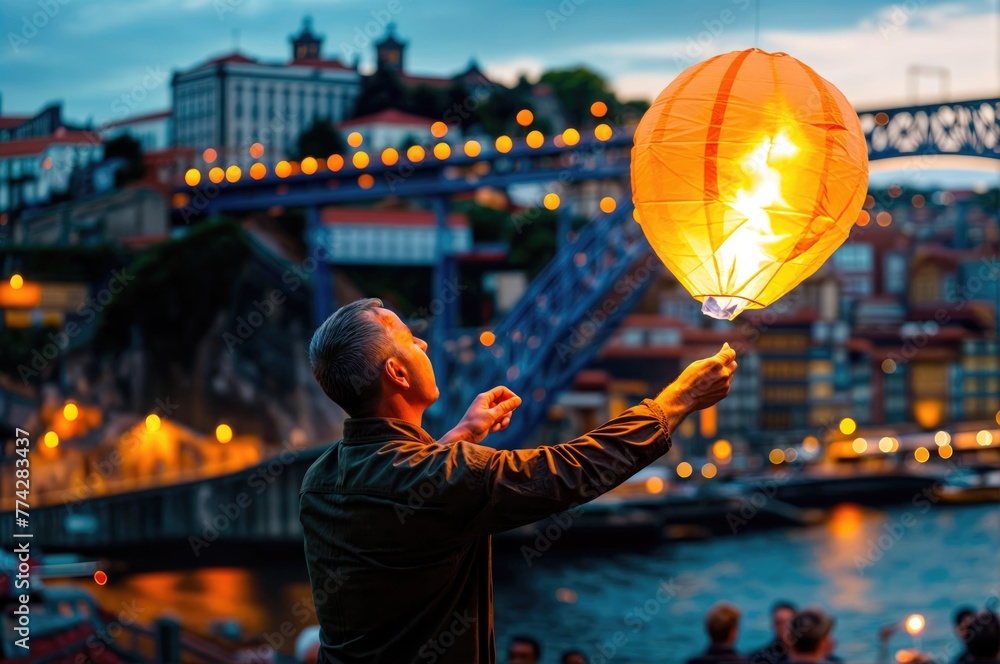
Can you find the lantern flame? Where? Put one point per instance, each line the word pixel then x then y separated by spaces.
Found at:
pixel 747 250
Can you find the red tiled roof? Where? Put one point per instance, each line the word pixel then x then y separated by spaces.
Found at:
pixel 389 116
pixel 319 63
pixel 30 146
pixel 8 121
pixel 228 58
pixel 340 215
pixel 137 119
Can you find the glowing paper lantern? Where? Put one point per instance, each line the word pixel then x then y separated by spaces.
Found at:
pixel 748 172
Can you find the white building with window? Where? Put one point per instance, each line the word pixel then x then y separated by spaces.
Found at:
pixel 231 102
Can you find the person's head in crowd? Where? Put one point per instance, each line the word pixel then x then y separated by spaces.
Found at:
pixel 524 650
pixel 722 622
pixel 572 657
pixel 307 645
pixel 810 636
pixel 782 613
pixel 982 636
pixel 963 615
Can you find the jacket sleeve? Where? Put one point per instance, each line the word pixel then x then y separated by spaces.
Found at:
pixel 518 487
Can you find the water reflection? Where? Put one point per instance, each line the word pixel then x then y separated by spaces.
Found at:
pixel 867 567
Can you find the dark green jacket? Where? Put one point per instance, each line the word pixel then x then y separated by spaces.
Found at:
pixel 397 529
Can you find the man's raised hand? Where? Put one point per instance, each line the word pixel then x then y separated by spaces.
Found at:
pixel 489 412
pixel 704 382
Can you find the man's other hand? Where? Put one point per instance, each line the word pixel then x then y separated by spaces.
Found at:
pixel 489 412
pixel 704 382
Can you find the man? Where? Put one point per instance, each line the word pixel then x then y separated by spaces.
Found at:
pixel 964 617
pixel 397 525
pixel 809 637
pixel 776 652
pixel 723 625
pixel 572 657
pixel 524 650
pixel 982 638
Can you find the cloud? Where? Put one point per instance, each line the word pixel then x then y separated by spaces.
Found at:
pixel 867 61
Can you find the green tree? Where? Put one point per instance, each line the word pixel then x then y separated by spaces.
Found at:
pixel 576 89
pixel 319 140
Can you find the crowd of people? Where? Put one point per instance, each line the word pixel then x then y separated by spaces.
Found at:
pixel 806 636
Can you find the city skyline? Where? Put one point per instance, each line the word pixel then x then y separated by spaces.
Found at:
pixel 528 38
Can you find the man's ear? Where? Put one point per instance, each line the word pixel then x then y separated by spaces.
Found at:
pixel 396 373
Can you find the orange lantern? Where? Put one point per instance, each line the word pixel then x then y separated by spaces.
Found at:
pixel 748 172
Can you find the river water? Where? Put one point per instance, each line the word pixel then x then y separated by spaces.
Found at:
pixel 867 567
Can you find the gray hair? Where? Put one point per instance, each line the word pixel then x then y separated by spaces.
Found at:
pixel 347 354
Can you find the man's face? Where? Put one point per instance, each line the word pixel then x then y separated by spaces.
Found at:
pixel 521 653
pixel 782 619
pixel 412 352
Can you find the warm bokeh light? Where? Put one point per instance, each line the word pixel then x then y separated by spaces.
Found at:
pixel 282 169
pixel 233 173
pixel 100 577
pixel 152 422
pixel 791 454
pixel 551 201
pixel 571 136
pixel 602 132
pixel 722 449
pixel 882 118
pixel 598 109
pixel 51 439
pixel 915 624
pixel 684 469
pixel 848 426
pixel 860 445
pixel 16 281
pixel 608 205
pixel 415 153
pixel 887 444
pixel 984 438
pixel 525 117
pixel 473 148
pixel 258 171
pixel 945 451
pixel 366 181
pixel 534 139
pixel 998 417
pixel 654 485
pixel 883 219
pixel 810 444
pixel 566 595
pixel 309 165
pixel 863 218
pixel 216 175
pixel 390 156
pixel 921 454
pixel 439 129
pixel 192 177
pixel 504 144
pixel 209 155
pixel 71 412
pixel 776 456
pixel 888 366
pixel 335 162
pixel 942 438
pixel 223 433
pixel 360 159
pixel 256 150
pixel 487 338
pixel 917 201
pixel 354 139
pixel 442 151
pixel 708 471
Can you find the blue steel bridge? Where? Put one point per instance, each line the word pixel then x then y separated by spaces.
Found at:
pixel 566 313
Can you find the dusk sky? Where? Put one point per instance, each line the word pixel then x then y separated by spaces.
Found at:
pixel 88 54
